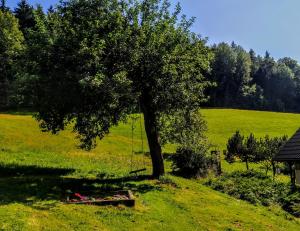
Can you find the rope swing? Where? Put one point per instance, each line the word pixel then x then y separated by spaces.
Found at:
pixel 133 122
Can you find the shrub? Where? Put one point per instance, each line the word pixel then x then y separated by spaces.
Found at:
pixel 250 149
pixel 291 203
pixel 246 149
pixel 234 146
pixel 254 187
pixel 191 162
pixel 268 148
pixel 228 156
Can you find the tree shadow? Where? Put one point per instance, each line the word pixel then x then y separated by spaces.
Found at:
pixel 14 170
pixel 17 111
pixel 43 188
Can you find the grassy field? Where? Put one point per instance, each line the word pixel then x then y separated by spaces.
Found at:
pixel 223 123
pixel 36 168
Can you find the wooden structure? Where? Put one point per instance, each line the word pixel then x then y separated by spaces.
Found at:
pixel 290 153
pixel 110 198
pixel 216 162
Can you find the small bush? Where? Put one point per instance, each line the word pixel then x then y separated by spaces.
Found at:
pixel 228 156
pixel 191 162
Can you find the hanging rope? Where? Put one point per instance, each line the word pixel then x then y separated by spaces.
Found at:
pixel 142 137
pixel 133 120
pixel 132 150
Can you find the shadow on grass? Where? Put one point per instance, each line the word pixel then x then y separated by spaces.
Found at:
pixel 42 188
pixel 15 112
pixel 14 170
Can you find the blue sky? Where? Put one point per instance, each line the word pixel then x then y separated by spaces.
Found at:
pixel 272 25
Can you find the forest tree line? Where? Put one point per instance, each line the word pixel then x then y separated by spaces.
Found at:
pixel 246 80
pixel 241 79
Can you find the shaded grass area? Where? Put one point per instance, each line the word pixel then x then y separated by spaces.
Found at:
pixel 33 203
pixel 37 168
pixel 30 185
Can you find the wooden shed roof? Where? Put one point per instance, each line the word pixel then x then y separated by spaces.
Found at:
pixel 291 150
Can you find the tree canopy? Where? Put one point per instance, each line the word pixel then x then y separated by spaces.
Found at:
pixel 24 13
pixel 91 63
pixel 99 60
pixel 246 80
pixel 11 43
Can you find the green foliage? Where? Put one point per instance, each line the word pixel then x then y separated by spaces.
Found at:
pixel 291 203
pixel 269 147
pixel 253 150
pixel 231 71
pixel 10 38
pixel 22 91
pixel 247 80
pixel 191 161
pixel 250 150
pixel 24 13
pixel 234 146
pixel 98 60
pixel 187 130
pixel 257 188
pixel 281 91
pixel 251 186
pixel 11 44
pixel 183 128
pixel 102 56
pixel 244 149
pixel 3 6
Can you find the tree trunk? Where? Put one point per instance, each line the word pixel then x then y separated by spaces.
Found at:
pixel 153 141
pixel 292 175
pixel 274 169
pixel 267 170
pixel 3 91
pixel 247 165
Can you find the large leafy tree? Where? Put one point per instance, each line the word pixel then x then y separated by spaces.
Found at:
pixel 22 88
pixel 281 88
pixel 262 74
pixel 99 59
pixel 11 43
pixel 279 81
pixel 3 6
pixel 25 13
pixel 232 73
pixel 223 69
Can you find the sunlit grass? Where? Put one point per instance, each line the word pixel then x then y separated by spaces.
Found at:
pixel 33 202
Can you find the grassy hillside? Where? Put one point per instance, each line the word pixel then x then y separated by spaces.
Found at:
pixel 36 168
pixel 223 123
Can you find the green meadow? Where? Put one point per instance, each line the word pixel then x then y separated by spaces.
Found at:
pixel 37 168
